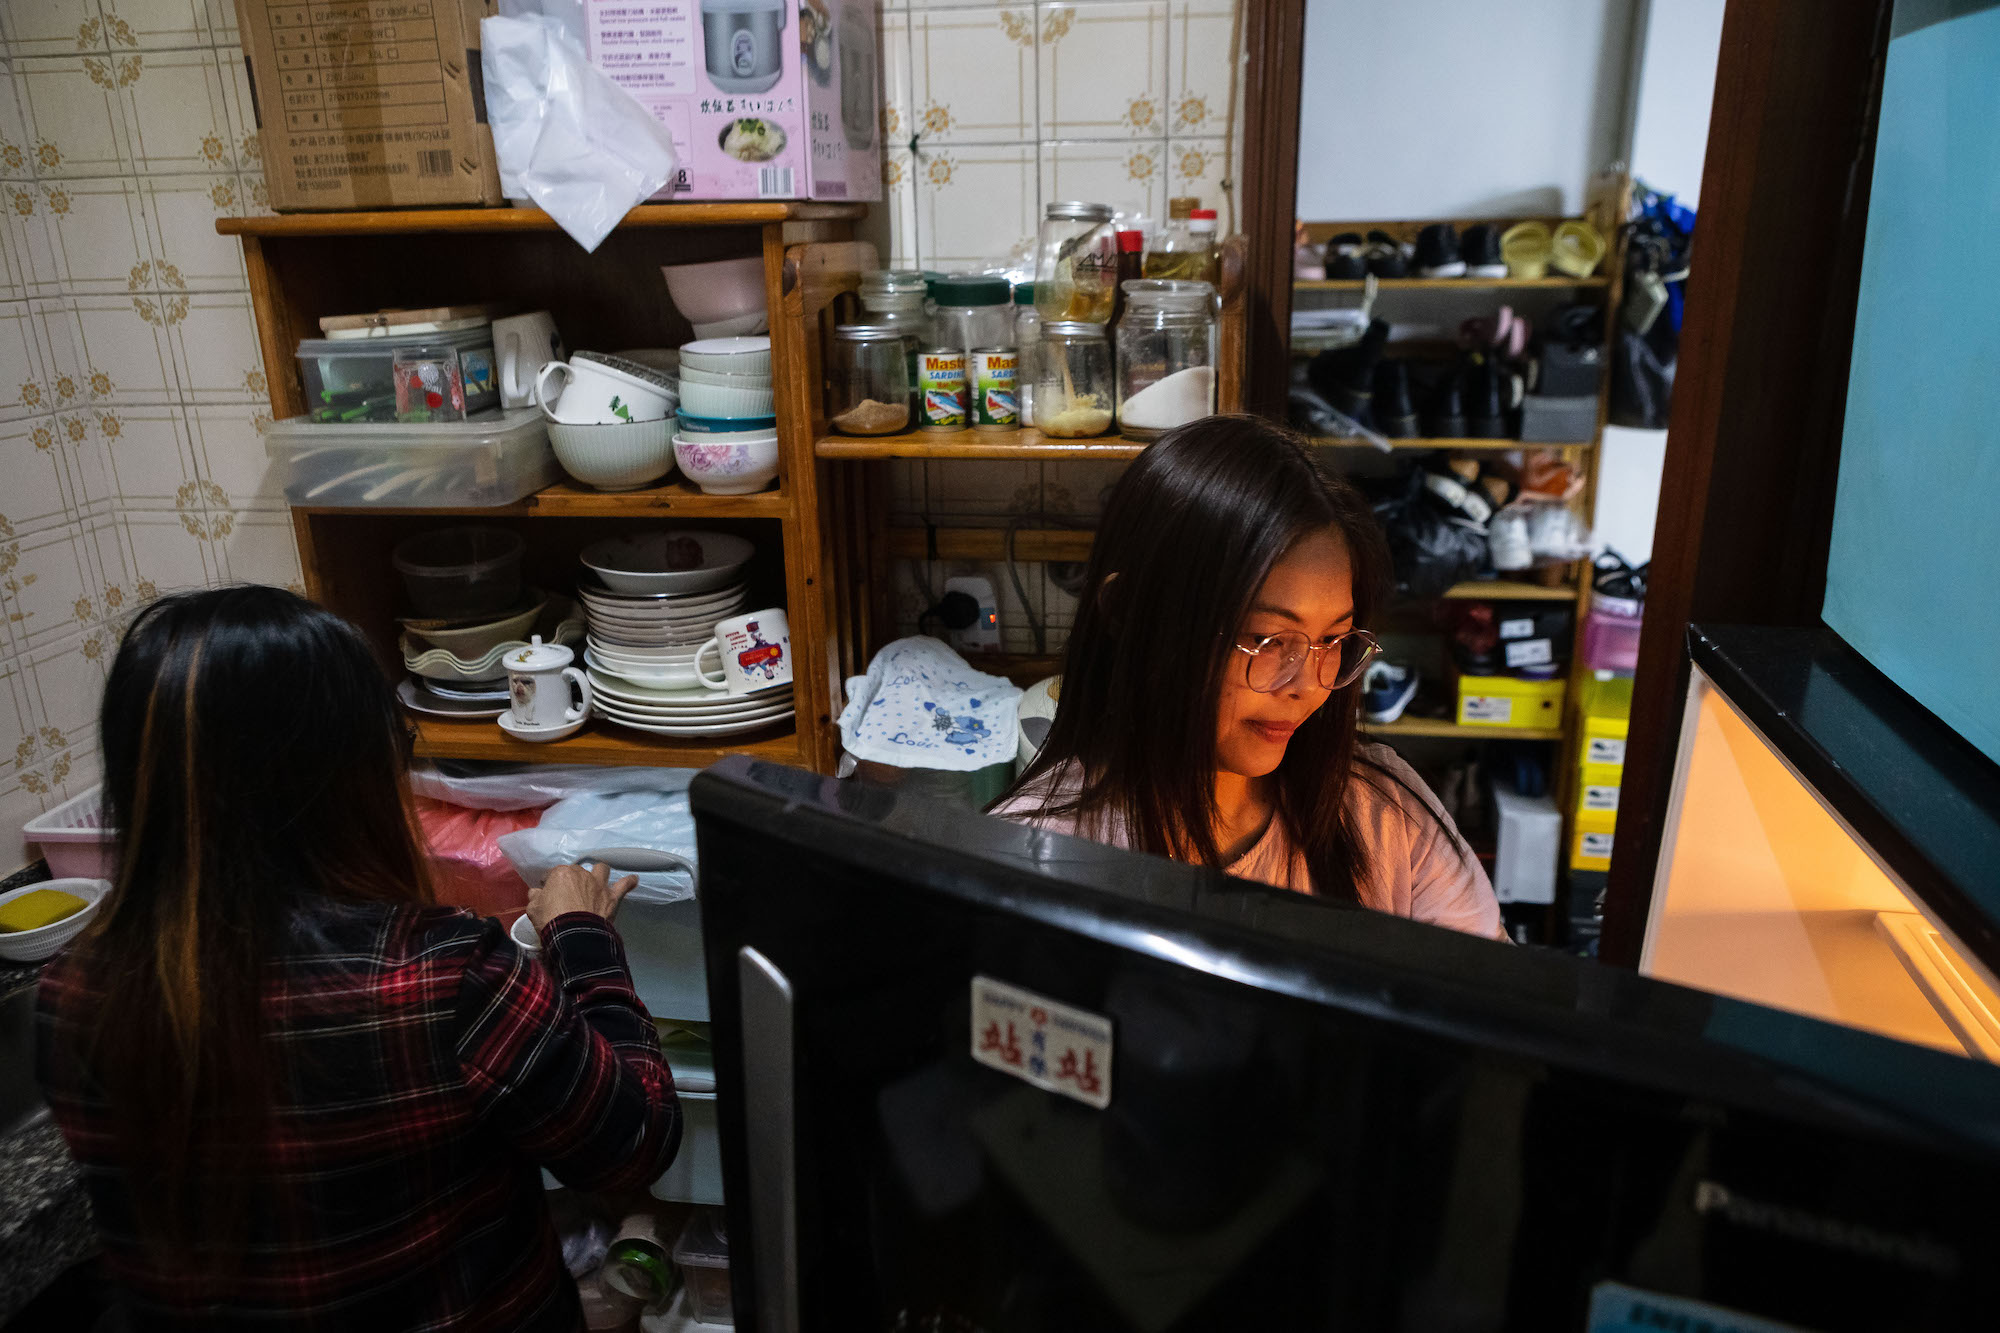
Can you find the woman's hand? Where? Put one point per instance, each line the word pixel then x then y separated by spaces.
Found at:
pixel 574 889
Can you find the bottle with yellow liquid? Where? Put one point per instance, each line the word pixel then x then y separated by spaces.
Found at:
pixel 1187 252
pixel 1076 263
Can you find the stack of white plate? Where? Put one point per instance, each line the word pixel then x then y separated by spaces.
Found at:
pixel 649 626
pixel 688 712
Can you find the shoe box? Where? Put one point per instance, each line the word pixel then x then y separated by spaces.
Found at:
pixel 1529 846
pixel 1546 419
pixel 1508 701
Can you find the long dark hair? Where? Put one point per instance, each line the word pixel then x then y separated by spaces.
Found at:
pixel 253 758
pixel 1188 535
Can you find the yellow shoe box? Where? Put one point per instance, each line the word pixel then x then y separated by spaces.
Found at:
pixel 1597 787
pixel 1506 701
pixel 1592 848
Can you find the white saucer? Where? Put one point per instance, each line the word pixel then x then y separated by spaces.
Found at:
pixel 538 734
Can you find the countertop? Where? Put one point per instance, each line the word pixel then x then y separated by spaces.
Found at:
pixel 45 1222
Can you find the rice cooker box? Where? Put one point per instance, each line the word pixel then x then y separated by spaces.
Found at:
pixel 766 99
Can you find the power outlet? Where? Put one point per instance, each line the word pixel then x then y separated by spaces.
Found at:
pixel 983 634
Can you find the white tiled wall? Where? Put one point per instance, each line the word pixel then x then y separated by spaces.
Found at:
pixel 994 110
pixel 131 389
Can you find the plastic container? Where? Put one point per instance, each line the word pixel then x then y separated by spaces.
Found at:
pixel 1076 263
pixel 1611 643
pixel 496 460
pixel 868 380
pixel 973 313
pixel 460 573
pixel 350 380
pixel 1166 356
pixel 74 839
pixel 1076 385
pixel 1028 343
pixel 702 1252
pixel 695 1175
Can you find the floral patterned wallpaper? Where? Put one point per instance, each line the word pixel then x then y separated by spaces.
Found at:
pixel 993 110
pixel 131 387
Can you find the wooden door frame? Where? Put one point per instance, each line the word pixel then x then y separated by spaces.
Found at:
pixel 1274 47
pixel 1753 445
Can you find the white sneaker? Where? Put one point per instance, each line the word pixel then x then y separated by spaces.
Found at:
pixel 1507 541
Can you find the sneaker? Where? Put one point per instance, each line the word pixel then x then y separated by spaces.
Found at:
pixel 1385 256
pixel 1480 247
pixel 1386 690
pixel 1346 257
pixel 1437 252
pixel 1394 414
pixel 1507 541
pixel 1444 416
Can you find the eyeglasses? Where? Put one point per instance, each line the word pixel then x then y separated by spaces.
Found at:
pixel 1276 660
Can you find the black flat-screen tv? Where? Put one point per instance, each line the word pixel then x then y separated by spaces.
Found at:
pixel 978 1077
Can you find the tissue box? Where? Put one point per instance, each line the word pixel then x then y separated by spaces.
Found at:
pixel 766 99
pixel 369 106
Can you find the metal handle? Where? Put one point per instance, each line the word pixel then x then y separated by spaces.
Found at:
pixel 771 1138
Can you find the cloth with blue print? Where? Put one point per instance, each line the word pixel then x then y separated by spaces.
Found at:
pixel 921 705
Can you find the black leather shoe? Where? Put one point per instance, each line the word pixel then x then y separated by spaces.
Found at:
pixel 1385 256
pixel 1394 415
pixel 1346 257
pixel 1444 417
pixel 1485 402
pixel 1480 248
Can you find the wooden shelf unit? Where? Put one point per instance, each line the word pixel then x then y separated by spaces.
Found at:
pixel 303 266
pixel 1424 443
pixel 977 444
pixel 1554 282
pixel 1442 727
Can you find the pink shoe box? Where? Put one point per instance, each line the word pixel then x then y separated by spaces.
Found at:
pixel 1611 643
pixel 766 99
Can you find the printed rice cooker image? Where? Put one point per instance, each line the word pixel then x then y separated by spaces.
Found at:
pixel 741 39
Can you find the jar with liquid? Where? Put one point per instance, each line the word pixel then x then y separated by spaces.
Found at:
pixel 867 380
pixel 1076 263
pixel 1166 356
pixel 972 313
pixel 1027 342
pixel 1075 387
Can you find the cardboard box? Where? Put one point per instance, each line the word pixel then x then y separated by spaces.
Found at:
pixel 370 103
pixel 1530 844
pixel 1591 849
pixel 1507 701
pixel 766 99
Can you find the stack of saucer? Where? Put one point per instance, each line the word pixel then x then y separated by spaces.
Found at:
pixel 654 632
pixel 688 712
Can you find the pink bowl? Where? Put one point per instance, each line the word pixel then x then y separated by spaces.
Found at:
pixel 726 289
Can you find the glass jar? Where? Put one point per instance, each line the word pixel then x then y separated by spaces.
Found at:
pixel 1075 386
pixel 1166 356
pixel 1027 342
pixel 900 299
pixel 1076 263
pixel 973 312
pixel 867 380
pixel 430 385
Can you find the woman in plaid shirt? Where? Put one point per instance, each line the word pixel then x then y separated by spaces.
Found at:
pixel 302 1095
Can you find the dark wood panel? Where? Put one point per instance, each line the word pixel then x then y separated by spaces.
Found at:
pixel 1753 448
pixel 1274 46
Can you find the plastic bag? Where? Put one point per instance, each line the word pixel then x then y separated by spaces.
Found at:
pixel 648 831
pixel 531 786
pixel 1431 544
pixel 564 134
pixel 468 869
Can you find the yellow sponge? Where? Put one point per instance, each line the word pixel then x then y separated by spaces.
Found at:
pixel 43 907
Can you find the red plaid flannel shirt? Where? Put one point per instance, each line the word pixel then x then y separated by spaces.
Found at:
pixel 429 1068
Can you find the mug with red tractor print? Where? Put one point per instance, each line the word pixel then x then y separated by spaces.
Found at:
pixel 429 384
pixel 755 652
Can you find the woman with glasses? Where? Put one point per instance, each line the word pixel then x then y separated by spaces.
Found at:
pixel 1207 708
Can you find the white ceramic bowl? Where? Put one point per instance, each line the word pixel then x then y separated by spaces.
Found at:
pixel 471 642
pixel 741 356
pixel 621 456
pixel 638 563
pixel 728 469
pixel 757 322
pixel 706 400
pixel 723 289
pixel 523 932
pixel 32 946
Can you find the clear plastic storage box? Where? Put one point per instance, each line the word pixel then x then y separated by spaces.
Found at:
pixel 353 380
pixel 496 460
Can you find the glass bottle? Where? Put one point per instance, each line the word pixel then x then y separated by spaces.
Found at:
pixel 899 298
pixel 1131 264
pixel 1028 343
pixel 1166 356
pixel 1169 254
pixel 867 380
pixel 972 313
pixel 1076 263
pixel 1076 386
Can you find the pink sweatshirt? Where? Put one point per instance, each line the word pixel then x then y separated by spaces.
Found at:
pixel 1415 869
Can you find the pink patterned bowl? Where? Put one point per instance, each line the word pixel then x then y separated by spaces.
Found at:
pixel 735 468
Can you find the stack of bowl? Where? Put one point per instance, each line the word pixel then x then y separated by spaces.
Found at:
pixel 728 440
pixel 612 423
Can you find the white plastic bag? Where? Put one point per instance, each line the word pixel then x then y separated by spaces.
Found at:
pixel 564 134
pixel 646 830
pixel 532 786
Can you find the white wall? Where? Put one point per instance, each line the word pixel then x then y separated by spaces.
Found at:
pixel 1457 108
